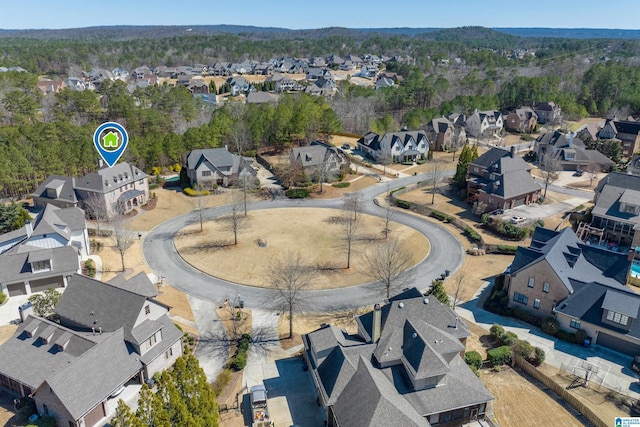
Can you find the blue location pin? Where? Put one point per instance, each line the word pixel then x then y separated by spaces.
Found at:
pixel 110 139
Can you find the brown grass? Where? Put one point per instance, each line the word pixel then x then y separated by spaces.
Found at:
pixel 298 230
pixel 180 308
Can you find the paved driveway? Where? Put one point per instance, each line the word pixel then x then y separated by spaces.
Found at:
pixel 161 256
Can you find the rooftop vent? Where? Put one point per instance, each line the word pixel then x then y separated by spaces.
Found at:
pixel 414 335
pixel 426 301
pixel 401 305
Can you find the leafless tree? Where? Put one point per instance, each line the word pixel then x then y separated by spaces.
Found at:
pixel 384 158
pixel 388 217
pixel 353 202
pixel 549 170
pixel 389 263
pixel 291 275
pixel 246 182
pixel 434 174
pixel 325 172
pixel 240 137
pixel 199 203
pixel 235 222
pixel 122 235
pixel 97 210
pixel 457 291
pixel 592 170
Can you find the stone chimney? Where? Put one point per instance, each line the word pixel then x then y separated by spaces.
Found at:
pixel 377 323
pixel 28 228
pixel 513 151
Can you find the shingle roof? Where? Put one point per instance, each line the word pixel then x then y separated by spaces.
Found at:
pixel 73 217
pixel 139 284
pixel 609 192
pixel 66 192
pixel 106 179
pixel 219 157
pixel 14 264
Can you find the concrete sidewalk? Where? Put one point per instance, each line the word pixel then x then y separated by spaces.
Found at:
pixel 613 367
pixel 213 347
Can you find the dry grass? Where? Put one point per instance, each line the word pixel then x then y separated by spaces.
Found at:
pixel 475 271
pixel 304 230
pixel 243 324
pixel 518 402
pixel 180 308
pixel 6 332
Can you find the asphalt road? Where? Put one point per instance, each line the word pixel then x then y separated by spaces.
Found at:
pixel 160 254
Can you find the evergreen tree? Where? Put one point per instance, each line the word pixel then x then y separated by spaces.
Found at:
pixel 465 157
pixel 438 291
pixel 12 217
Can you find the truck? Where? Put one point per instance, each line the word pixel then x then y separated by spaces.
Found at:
pixel 259 410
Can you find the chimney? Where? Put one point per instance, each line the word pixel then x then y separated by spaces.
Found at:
pixel 100 163
pixel 29 228
pixel 25 310
pixel 571 136
pixel 513 151
pixel 377 322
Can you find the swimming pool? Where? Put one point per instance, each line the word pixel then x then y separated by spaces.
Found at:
pixel 635 269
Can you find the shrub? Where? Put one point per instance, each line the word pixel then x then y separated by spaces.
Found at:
pixel 580 336
pixel 420 161
pixel 550 326
pixel 523 349
pixel 473 235
pixel 221 381
pixel 153 186
pixel 442 216
pixel 397 189
pixel 500 355
pixel 341 184
pixel 510 338
pixel 485 218
pixel 507 249
pixel 540 222
pixel 297 193
pixel 403 204
pixel 473 359
pixel 3 297
pixel 407 163
pixel 497 332
pixel 195 193
pixel 526 316
pixel 91 267
pixel 566 336
pixel 538 356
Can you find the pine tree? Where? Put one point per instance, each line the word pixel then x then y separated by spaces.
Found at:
pixel 465 157
pixel 438 291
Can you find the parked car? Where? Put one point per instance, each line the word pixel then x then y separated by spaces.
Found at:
pixel 346 146
pixel 516 219
pixel 579 172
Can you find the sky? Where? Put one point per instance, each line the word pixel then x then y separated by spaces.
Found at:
pixel 37 14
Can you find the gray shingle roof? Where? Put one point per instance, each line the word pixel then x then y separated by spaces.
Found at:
pixel 139 284
pixel 14 264
pixel 107 179
pixel 66 193
pixel 170 335
pixel 73 217
pixel 219 157
pixel 609 191
pixel 109 363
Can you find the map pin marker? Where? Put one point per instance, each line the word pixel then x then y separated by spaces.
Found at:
pixel 110 139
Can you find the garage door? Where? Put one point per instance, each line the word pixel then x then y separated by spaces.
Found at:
pixel 42 284
pixel 618 344
pixel 95 415
pixel 16 289
pixel 519 202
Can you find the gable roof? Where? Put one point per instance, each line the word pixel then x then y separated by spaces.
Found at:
pixel 572 260
pixel 139 284
pixel 14 264
pixel 218 157
pixel 108 178
pixel 611 192
pixel 64 186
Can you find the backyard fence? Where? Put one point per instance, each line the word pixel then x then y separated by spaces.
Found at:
pixel 560 391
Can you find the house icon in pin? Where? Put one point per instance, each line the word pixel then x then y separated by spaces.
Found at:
pixel 110 140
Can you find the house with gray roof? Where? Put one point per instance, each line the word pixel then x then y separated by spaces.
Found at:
pixel 404 367
pixel 119 189
pixel 617 209
pixel 216 166
pixel 548 112
pixel 625 131
pixel 484 124
pixel 44 253
pixel 444 134
pixel 522 120
pixel 107 337
pixel 319 160
pixel 570 153
pixel 396 146
pixel 500 179
pixel 581 285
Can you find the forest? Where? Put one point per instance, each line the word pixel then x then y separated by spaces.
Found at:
pixel 43 135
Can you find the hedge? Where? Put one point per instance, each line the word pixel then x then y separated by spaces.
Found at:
pixel 239 360
pixel 341 184
pixel 194 193
pixel 403 204
pixel 507 249
pixel 473 235
pixel 442 216
pixel 500 355
pixel 297 193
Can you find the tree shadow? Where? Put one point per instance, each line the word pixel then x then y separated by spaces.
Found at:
pixel 213 246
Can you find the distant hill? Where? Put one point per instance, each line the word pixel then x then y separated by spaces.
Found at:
pixel 125 32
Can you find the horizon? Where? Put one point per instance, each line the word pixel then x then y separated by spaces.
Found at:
pixel 547 14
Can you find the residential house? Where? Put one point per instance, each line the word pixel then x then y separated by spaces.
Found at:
pixel 109 336
pixel 318 73
pixel 444 135
pixel 120 73
pixel 384 82
pixel 626 131
pixel 320 160
pixel 548 112
pixel 589 132
pixel 216 166
pixel 240 86
pixel 395 146
pixel 140 72
pixel 569 153
pixel 617 209
pixel 369 72
pixel 76 84
pixel 633 167
pixel 500 179
pixel 44 253
pixel 99 75
pixel 221 69
pixel 48 86
pixel 262 98
pixel 282 82
pixel 522 120
pixel 581 285
pixel 404 367
pixel 484 124
pixel 198 87
pixel 335 61
pixel 263 69
pixel 120 188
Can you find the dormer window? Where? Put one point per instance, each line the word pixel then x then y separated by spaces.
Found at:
pixel 40 266
pixel 618 318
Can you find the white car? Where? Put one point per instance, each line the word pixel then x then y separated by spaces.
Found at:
pixel 516 219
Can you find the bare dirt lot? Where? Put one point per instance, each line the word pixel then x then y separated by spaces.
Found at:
pixel 303 230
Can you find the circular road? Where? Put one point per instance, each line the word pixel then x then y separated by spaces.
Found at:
pixel 161 256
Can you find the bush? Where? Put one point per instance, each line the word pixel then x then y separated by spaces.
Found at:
pixel 3 297
pixel 297 193
pixel 526 316
pixel 153 186
pixel 442 216
pixel 90 266
pixel 403 204
pixel 221 381
pixel 239 361
pixel 485 218
pixel 397 189
pixel 580 336
pixel 538 356
pixel 341 184
pixel 194 193
pixel 540 222
pixel 500 355
pixel 421 161
pixel 566 336
pixel 523 349
pixel 497 332
pixel 473 235
pixel 507 249
pixel 473 359
pixel 550 326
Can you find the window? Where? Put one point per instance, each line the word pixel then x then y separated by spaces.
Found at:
pixel 575 324
pixel 168 353
pixel 532 281
pixel 619 318
pixel 536 303
pixel 152 341
pixel 521 298
pixel 147 309
pixel 545 287
pixel 45 409
pixel 206 173
pixel 41 266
